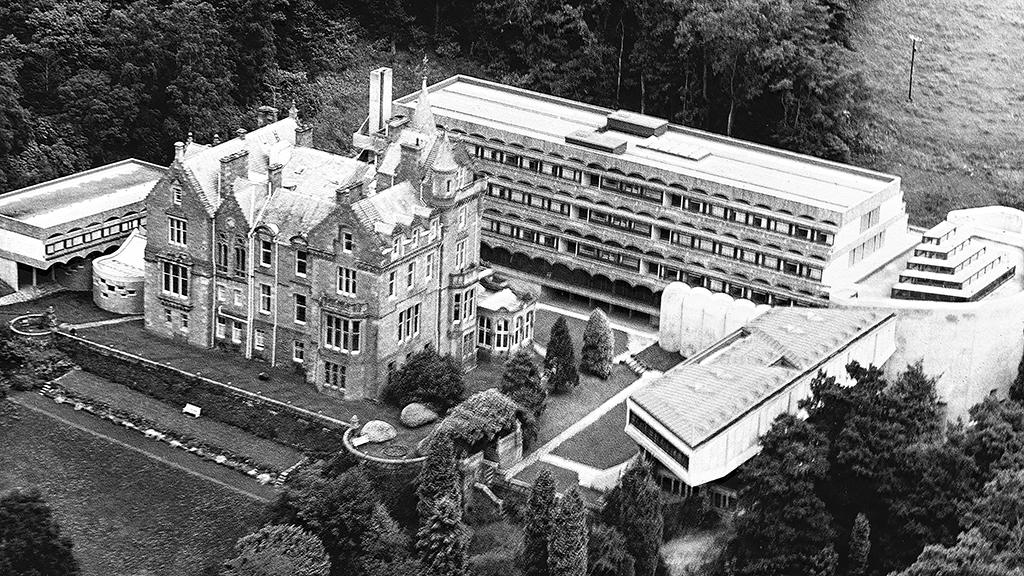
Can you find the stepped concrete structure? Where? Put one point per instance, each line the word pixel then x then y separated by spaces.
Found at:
pixel 948 267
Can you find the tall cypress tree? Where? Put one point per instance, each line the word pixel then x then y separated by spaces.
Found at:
pixel 538 526
pixel 634 508
pixel 560 360
pixel 1017 386
pixel 443 540
pixel 567 547
pixel 860 546
pixel 598 345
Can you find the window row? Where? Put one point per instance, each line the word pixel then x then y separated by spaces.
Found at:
pixel 342 333
pixel 657 196
pixel 409 323
pixel 76 238
pixel 175 279
pixel 660 441
pixel 464 305
pixel 415 239
pixel 528 199
pixel 236 329
pixel 504 333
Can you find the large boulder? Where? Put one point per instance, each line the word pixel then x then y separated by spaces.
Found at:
pixel 378 431
pixel 415 415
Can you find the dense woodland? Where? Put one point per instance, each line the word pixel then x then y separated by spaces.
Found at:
pixel 86 82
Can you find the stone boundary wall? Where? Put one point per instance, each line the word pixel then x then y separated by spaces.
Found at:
pixel 291 425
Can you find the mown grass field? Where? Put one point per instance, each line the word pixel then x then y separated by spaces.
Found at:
pixel 128 515
pixel 959 143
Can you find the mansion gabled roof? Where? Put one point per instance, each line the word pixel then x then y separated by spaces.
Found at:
pixel 697 400
pixel 386 210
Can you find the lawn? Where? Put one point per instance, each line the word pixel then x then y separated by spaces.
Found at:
pixel 603 444
pixel 127 514
pixel 169 418
pixel 546 319
pixel 565 409
pixel 958 143
pixel 70 307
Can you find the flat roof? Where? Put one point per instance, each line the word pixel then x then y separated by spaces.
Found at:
pixel 81 195
pixel 762 169
pixel 696 401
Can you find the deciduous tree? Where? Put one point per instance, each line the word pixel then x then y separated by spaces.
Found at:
pixel 31 543
pixel 427 377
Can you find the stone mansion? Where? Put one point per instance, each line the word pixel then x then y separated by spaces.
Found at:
pixel 267 246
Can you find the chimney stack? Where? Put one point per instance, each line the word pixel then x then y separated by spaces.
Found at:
pixel 234 166
pixel 179 151
pixel 274 176
pixel 266 115
pixel 352 193
pixel 380 99
pixel 240 133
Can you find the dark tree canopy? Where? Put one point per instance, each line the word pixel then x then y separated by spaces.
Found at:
pixel 567 546
pixel 31 543
pixel 560 360
pixel 427 377
pixel 538 525
pixel 633 507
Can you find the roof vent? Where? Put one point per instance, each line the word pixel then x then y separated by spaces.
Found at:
pixel 638 124
pixel 688 151
pixel 597 141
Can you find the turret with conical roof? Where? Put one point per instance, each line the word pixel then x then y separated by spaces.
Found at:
pixel 423 117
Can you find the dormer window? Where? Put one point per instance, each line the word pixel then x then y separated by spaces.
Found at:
pixel 396 248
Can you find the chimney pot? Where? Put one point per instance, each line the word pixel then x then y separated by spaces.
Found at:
pixel 179 151
pixel 266 115
pixel 216 139
pixel 240 133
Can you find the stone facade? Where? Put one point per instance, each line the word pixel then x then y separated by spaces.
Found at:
pixel 295 256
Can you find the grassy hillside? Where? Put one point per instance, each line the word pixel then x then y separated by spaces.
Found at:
pixel 960 143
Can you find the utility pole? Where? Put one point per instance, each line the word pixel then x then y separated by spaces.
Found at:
pixel 913 52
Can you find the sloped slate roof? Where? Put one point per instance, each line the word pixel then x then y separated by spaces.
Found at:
pixel 308 195
pixel 696 401
pixel 396 206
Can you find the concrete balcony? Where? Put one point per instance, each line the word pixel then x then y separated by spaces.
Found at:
pixel 468 276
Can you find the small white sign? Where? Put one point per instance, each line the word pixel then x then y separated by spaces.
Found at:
pixel 191 410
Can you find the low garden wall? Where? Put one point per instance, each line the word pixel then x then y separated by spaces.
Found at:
pixel 264 417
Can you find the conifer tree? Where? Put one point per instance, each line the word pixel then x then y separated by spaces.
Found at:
pixel 606 552
pixel 634 508
pixel 537 530
pixel 824 563
pixel 860 546
pixel 560 360
pixel 598 345
pixel 439 476
pixel 521 382
pixel 567 546
pixel 443 540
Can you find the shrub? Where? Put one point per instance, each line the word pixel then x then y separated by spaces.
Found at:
pixel 685 514
pixel 429 378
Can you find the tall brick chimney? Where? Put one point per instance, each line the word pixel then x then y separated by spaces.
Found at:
pixel 266 115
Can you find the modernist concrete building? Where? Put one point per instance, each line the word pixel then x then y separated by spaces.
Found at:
pixel 702 419
pixel 52 230
pixel 287 253
pixel 119 279
pixel 613 205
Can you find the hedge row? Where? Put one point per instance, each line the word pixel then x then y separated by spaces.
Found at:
pixel 178 388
